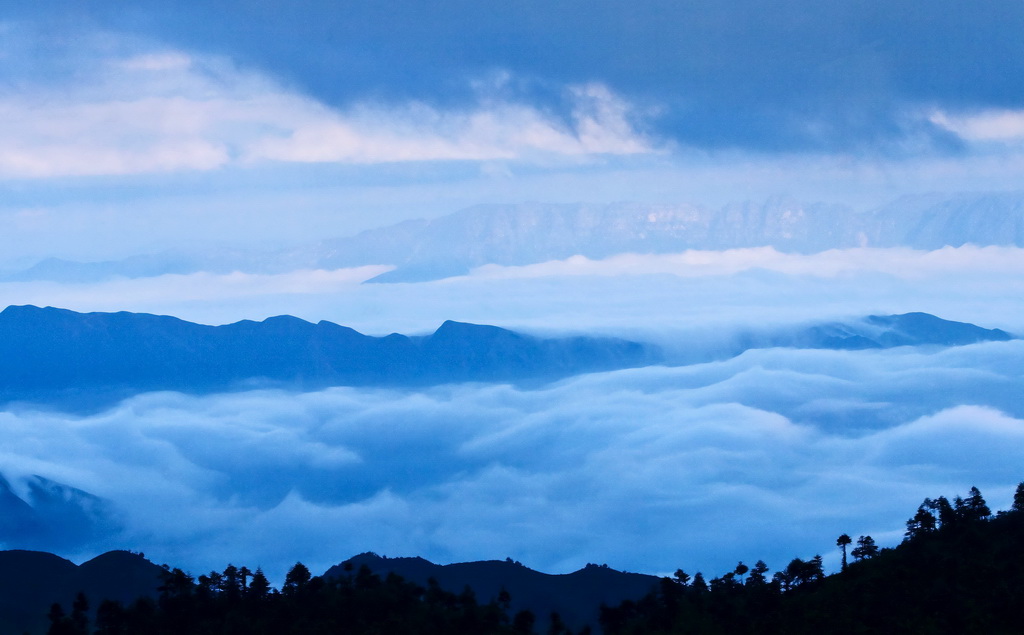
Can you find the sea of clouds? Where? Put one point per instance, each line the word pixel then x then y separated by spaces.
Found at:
pixel 768 455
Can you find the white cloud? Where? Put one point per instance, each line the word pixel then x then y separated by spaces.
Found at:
pixel 901 262
pixel 990 125
pixel 163 111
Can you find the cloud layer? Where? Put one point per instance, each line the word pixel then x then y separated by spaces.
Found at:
pixel 670 297
pixel 769 455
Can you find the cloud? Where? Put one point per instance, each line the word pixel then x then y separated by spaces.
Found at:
pixel 168 110
pixel 992 125
pixel 803 76
pixel 494 131
pixel 680 300
pixel 902 262
pixel 769 455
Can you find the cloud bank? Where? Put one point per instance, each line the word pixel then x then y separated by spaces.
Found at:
pixel 768 455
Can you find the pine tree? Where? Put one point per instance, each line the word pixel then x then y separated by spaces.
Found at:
pixel 842 542
pixel 865 548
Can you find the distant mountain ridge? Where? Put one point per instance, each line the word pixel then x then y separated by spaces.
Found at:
pixel 88 360
pixel 524 234
pixel 885 331
pixel 46 352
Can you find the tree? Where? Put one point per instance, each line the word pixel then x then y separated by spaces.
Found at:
pixel 865 548
pixel 1018 499
pixel 259 588
pixel 758 575
pixel 296 579
pixel 842 541
pixel 80 614
pixel 60 624
pixel 974 506
pixel 923 521
pixel 523 622
pixel 741 570
pixel 682 577
pixel 699 584
pixel 947 515
pixel 110 618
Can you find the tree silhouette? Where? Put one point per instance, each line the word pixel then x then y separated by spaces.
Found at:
pixel 923 522
pixel 758 575
pixel 946 513
pixel 974 506
pixel 741 570
pixel 842 541
pixel 1018 498
pixel 296 579
pixel 865 548
pixel 259 588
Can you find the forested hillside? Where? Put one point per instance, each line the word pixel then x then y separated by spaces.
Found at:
pixel 957 571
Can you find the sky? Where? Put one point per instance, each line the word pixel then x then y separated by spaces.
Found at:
pixel 131 129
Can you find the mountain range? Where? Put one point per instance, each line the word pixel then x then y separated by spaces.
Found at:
pixel 83 361
pixel 576 597
pixel 529 233
pixel 52 354
pixel 30 581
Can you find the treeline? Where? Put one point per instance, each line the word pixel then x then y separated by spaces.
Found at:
pixel 239 601
pixel 958 571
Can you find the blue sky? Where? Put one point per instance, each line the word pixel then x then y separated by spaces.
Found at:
pixel 141 127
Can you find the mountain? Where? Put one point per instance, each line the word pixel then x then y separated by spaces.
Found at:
pixel 885 331
pixel 30 581
pixel 48 353
pixel 577 597
pixel 51 515
pixel 529 233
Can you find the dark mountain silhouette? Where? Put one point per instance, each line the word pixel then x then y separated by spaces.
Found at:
pixel 534 232
pixel 957 571
pixel 576 597
pixel 54 354
pixel 30 581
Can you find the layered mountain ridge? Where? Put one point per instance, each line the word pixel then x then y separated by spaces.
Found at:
pixel 49 352
pixel 523 234
pixel 87 360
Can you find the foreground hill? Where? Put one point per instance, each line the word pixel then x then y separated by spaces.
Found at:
pixel 31 581
pixel 956 572
pixel 48 353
